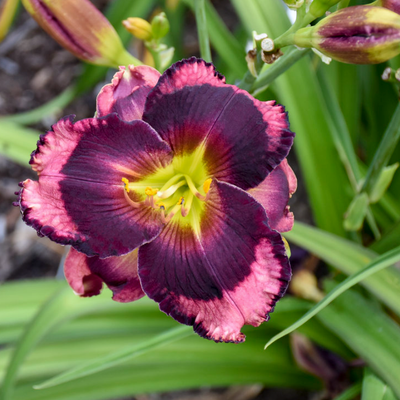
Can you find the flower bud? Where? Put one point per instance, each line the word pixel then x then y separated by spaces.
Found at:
pixel 355 35
pixel 393 5
pixel 294 4
pixel 160 26
pixel 8 9
pixel 139 28
pixel 81 28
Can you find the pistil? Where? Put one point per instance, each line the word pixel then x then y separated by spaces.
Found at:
pixel 171 190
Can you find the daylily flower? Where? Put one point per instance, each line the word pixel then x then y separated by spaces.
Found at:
pixel 177 189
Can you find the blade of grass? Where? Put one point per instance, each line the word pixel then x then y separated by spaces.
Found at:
pixel 373 388
pixel 17 141
pixel 349 258
pixel 371 333
pixel 224 42
pixel 202 32
pixel 118 357
pixel 61 307
pixel 378 264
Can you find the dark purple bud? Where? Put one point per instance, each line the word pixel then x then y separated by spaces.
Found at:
pixel 355 35
pixel 322 363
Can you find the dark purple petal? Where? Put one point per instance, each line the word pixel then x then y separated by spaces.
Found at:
pixel 79 198
pixel 127 93
pixel 274 193
pixel 228 272
pixel 87 274
pixel 243 139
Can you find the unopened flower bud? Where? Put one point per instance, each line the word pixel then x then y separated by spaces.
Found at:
pixel 81 28
pixel 160 26
pixel 294 4
pixel 8 9
pixel 355 35
pixel 139 28
pixel 393 5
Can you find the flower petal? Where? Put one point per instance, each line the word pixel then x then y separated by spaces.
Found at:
pixel 242 139
pixel 274 193
pixel 87 274
pixel 127 93
pixel 79 198
pixel 228 272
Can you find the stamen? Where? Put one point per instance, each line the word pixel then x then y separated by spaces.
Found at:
pixel 171 190
pixel 134 204
pixel 162 208
pixel 187 204
pixel 172 213
pixel 126 184
pixel 206 185
pixel 193 188
pixel 150 191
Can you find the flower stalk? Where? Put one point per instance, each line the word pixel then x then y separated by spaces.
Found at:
pixel 202 31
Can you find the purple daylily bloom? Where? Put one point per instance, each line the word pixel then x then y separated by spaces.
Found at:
pixel 177 189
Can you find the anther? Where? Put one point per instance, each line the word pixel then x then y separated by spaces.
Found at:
pixel 150 191
pixel 206 185
pixel 126 184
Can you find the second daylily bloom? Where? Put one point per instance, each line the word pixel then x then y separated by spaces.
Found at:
pixel 178 189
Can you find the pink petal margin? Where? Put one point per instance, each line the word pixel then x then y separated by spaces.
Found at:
pixel 274 193
pixel 127 93
pixel 86 275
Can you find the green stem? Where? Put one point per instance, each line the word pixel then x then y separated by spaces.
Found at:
pixel 202 31
pixel 279 67
pixel 248 80
pixel 384 152
pixel 156 56
pixel 126 58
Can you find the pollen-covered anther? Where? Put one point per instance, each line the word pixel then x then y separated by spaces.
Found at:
pixel 150 191
pixel 184 211
pixel 126 184
pixel 206 185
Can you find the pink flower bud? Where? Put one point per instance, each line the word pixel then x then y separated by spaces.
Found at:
pixel 81 28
